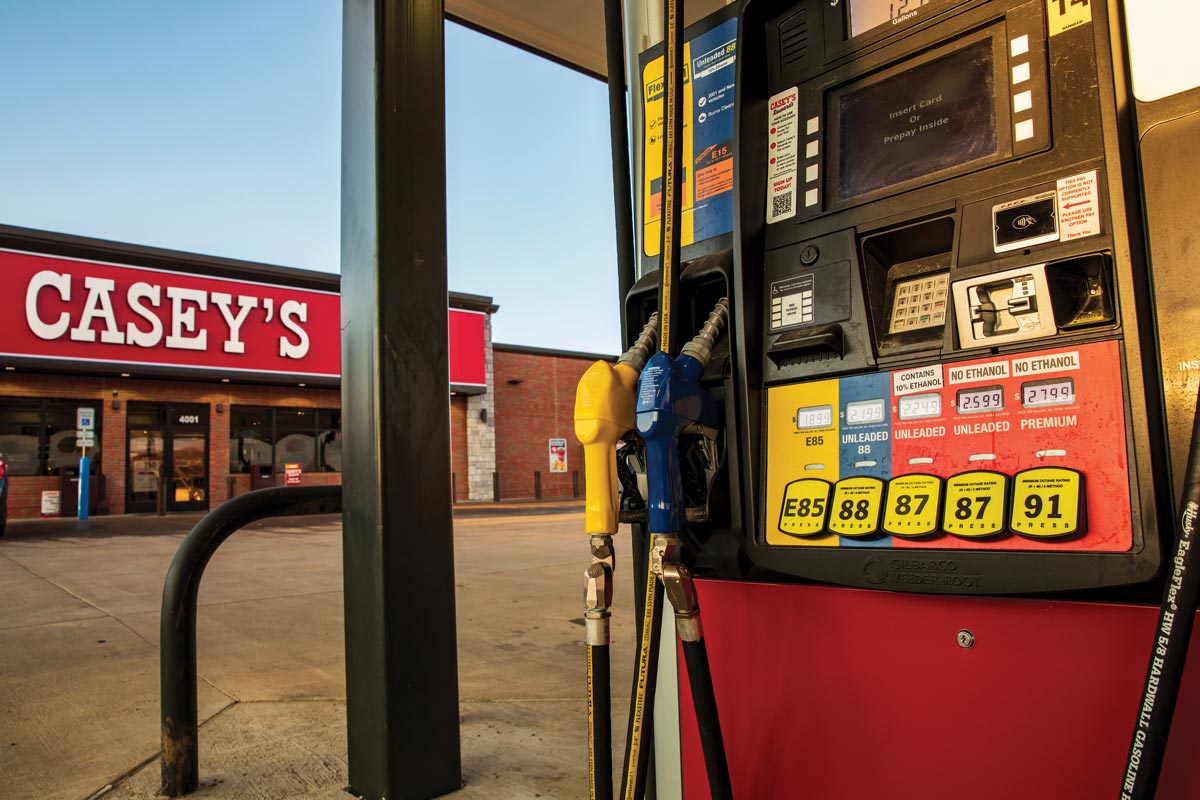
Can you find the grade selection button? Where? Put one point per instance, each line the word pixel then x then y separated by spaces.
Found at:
pixel 1048 502
pixel 974 504
pixel 912 505
pixel 856 507
pixel 805 504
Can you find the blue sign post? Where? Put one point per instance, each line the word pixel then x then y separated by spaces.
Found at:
pixel 85 437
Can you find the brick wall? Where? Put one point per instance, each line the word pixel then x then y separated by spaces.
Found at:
pixel 529 413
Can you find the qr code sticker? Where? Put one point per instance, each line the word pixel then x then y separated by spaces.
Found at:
pixel 781 204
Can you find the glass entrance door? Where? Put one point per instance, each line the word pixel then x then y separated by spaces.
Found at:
pixel 145 469
pixel 189 471
pixel 168 455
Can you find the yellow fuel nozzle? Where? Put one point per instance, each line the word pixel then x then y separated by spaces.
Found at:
pixel 604 411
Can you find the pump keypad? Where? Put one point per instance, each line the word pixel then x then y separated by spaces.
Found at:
pixel 920 303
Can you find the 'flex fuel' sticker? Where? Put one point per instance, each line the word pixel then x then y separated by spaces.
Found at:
pixel 805 504
pixel 1048 502
pixel 912 505
pixel 856 506
pixel 975 503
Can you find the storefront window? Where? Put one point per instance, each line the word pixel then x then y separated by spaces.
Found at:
pixel 296 429
pixel 37 437
pixel 306 436
pixel 251 438
pixel 329 441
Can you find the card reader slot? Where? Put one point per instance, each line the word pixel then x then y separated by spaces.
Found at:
pixel 823 340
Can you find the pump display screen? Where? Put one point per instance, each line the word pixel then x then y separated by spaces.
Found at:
pixel 975 401
pixel 919 406
pixel 864 412
pixel 868 14
pixel 814 417
pixel 933 117
pixel 1052 392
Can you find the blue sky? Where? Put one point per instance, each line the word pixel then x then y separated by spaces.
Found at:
pixel 214 127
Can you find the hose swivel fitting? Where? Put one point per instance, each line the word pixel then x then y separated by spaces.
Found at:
pixel 700 348
pixel 646 344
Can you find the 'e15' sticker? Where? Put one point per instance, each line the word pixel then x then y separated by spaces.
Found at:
pixel 912 506
pixel 1048 502
pixel 856 506
pixel 805 504
pixel 975 503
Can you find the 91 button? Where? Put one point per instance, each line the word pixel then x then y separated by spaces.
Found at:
pixel 1048 502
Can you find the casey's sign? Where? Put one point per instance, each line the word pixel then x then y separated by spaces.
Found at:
pixel 72 310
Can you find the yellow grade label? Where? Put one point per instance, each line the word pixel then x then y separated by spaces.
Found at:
pixel 912 505
pixel 975 503
pixel 1063 15
pixel 805 505
pixel 1048 502
pixel 856 506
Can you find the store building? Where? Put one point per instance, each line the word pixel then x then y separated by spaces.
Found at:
pixel 208 377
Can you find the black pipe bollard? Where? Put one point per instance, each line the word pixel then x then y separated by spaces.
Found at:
pixel 575 484
pixel 177 625
pixel 495 487
pixel 537 485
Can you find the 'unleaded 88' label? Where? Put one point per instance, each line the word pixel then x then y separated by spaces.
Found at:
pixel 856 506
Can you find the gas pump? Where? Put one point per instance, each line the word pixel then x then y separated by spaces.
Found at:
pixel 942 380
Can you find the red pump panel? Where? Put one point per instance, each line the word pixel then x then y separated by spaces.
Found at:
pixel 828 693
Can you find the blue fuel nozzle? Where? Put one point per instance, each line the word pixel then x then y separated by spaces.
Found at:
pixel 669 401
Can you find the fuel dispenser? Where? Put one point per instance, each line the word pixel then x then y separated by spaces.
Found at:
pixel 941 380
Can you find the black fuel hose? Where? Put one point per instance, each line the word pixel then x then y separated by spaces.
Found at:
pixel 1169 652
pixel 695 656
pixel 641 710
pixel 599 722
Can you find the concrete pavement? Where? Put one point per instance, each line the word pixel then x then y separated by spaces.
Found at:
pixel 79 657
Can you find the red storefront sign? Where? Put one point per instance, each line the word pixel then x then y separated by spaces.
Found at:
pixel 64 309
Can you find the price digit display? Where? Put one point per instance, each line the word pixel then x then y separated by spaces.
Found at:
pixel 814 417
pixel 975 401
pixel 1048 502
pixel 920 406
pixel 975 503
pixel 864 412
pixel 912 506
pixel 856 506
pixel 1052 392
pixel 804 507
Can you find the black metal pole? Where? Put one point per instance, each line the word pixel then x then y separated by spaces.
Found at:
pixel 398 549
pixel 1169 652
pixel 618 124
pixel 177 624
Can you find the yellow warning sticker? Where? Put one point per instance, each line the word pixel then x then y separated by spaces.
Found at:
pixel 805 505
pixel 975 503
pixel 1062 15
pixel 1048 502
pixel 912 505
pixel 856 507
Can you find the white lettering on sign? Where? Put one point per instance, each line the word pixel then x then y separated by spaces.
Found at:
pixel 1056 362
pixel 920 379
pixel 147 330
pixel 43 280
pixel 978 372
